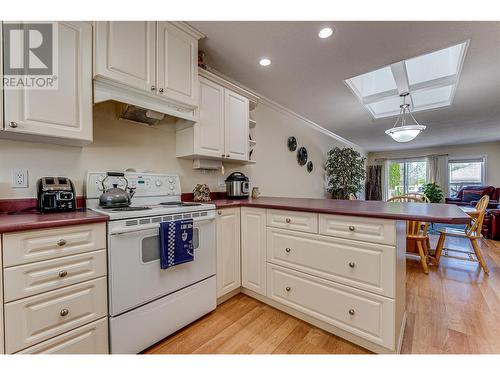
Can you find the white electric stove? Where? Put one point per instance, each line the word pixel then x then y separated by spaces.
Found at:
pixel 147 303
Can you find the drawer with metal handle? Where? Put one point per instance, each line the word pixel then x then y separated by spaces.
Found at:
pixel 32 320
pixel 358 228
pixel 294 220
pixel 43 244
pixel 364 314
pixel 368 266
pixel 39 277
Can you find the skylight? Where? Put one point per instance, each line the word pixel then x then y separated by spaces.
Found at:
pixel 431 80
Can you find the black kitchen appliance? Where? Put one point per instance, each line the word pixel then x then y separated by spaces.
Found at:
pixel 237 186
pixel 55 194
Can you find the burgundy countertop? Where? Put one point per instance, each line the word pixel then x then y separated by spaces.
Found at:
pixel 27 221
pixel 438 213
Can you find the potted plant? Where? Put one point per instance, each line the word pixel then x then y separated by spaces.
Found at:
pixel 433 192
pixel 345 172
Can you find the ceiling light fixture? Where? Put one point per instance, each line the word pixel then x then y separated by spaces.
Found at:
pixel 265 61
pixel 404 132
pixel 325 32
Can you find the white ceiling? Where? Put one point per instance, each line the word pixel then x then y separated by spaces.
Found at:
pixel 307 73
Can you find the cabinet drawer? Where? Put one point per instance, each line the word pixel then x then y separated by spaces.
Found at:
pixel 355 263
pixel 89 339
pixel 364 314
pixel 295 220
pixel 36 245
pixel 30 279
pixel 358 228
pixel 34 319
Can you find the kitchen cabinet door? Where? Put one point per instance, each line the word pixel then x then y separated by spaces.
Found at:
pixel 253 249
pixel 236 108
pixel 1 101
pixel 209 131
pixel 177 70
pixel 2 347
pixel 125 52
pixel 228 250
pixel 62 113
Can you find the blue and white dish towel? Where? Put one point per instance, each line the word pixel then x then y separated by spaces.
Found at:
pixel 176 243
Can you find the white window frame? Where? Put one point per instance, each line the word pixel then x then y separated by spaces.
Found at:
pixel 465 159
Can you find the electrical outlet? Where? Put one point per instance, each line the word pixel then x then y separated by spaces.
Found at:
pixel 221 182
pixel 19 178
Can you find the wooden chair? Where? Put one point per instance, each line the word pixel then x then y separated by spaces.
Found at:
pixel 417 230
pixel 472 232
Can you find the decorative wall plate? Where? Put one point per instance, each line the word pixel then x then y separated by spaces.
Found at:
pixel 302 156
pixel 292 143
pixel 310 166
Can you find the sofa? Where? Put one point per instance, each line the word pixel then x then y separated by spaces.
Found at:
pixel 473 194
pixel 491 223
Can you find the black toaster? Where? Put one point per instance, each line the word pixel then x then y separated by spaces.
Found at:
pixel 56 194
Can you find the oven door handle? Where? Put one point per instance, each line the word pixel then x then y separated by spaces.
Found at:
pixel 139 228
pixel 134 229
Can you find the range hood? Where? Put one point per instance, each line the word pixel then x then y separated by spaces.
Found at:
pixel 140 106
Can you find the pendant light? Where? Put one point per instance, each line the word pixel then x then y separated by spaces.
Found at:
pixel 404 132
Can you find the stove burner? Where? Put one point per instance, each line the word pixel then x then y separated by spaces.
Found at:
pixel 178 204
pixel 131 209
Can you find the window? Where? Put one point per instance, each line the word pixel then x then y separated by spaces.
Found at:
pixel 406 177
pixel 430 79
pixel 465 172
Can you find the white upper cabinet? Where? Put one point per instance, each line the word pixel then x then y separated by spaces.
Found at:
pixel 177 64
pixel 236 123
pixel 210 128
pixel 62 115
pixel 148 64
pixel 125 52
pixel 222 131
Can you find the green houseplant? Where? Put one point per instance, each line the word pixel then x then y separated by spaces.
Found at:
pixel 433 192
pixel 345 172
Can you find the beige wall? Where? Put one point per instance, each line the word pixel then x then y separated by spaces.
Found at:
pixel 490 149
pixel 120 144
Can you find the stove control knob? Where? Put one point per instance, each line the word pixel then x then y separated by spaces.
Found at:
pixel 171 187
pixel 170 180
pixel 158 183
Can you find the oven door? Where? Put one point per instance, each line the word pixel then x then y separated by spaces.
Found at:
pixel 134 265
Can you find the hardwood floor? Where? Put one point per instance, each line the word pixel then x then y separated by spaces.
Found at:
pixel 453 309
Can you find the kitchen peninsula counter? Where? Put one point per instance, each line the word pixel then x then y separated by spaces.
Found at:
pixel 428 212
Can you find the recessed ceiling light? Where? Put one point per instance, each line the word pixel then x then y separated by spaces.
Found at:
pixel 325 32
pixel 265 61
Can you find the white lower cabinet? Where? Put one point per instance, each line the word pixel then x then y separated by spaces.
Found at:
pixel 2 348
pixel 364 314
pixel 228 250
pixel 344 274
pixel 55 290
pixel 253 249
pixel 89 339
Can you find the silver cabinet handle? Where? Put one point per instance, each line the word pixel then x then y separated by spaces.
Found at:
pixel 63 274
pixel 227 155
pixel 153 88
pixel 288 220
pixel 352 264
pixel 288 249
pixel 352 312
pixel 219 212
pixel 223 155
pixel 61 242
pixel 161 90
pixel 351 228
pixel 13 124
pixel 64 312
pixel 288 288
